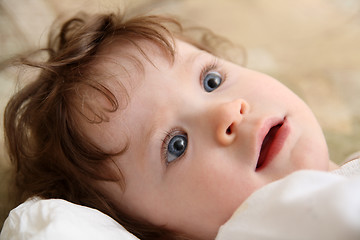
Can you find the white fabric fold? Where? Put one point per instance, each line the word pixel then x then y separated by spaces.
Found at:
pixel 306 204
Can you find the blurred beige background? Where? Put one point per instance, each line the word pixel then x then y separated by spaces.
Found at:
pixel 312 46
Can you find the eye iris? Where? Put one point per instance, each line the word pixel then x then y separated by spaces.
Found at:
pixel 177 145
pixel 212 81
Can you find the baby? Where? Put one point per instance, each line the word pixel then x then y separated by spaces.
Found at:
pixel 135 118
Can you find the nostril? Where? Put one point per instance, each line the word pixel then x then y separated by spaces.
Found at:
pixel 228 130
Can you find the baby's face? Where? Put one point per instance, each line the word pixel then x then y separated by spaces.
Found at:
pixel 203 134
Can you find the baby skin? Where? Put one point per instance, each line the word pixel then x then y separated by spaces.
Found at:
pixel 201 135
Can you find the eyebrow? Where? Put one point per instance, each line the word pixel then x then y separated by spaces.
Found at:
pixel 194 57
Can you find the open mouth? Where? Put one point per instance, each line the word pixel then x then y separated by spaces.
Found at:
pixel 267 145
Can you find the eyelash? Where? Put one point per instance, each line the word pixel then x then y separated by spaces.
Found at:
pixel 168 135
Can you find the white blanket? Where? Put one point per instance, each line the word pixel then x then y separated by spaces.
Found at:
pixel 307 205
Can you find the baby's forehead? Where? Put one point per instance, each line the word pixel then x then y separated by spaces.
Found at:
pixel 128 64
pixel 132 58
pixel 133 55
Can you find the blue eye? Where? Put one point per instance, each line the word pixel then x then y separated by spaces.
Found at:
pixel 176 147
pixel 212 81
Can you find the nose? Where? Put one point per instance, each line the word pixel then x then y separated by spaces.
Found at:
pixel 226 118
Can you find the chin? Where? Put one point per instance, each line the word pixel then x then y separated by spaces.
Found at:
pixel 314 158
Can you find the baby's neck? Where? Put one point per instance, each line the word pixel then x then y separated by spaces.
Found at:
pixel 333 166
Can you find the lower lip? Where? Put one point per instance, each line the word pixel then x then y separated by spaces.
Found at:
pixel 277 144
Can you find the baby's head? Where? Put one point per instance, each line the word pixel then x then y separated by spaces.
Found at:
pixel 133 118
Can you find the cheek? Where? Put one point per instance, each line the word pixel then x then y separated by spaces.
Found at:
pixel 211 182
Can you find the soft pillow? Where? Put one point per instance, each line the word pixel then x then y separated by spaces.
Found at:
pixel 57 219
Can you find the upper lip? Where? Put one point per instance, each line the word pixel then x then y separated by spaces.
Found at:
pixel 264 130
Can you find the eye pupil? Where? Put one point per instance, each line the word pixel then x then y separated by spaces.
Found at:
pixel 212 81
pixel 179 144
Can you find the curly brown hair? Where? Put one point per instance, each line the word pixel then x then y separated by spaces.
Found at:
pixel 52 157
